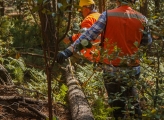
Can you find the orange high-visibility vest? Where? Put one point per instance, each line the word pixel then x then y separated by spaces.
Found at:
pixel 123 30
pixel 87 23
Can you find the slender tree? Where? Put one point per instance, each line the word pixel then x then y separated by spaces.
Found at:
pixel 50 34
pixel 157 5
pixel 102 5
pixel 144 7
pixel 1 8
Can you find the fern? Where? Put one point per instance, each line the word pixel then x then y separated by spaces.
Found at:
pixel 91 81
pixel 61 96
pixel 100 110
pixel 18 63
pixel 16 67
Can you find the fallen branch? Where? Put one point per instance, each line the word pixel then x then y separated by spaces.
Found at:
pixel 19 98
pixel 33 109
pixel 23 88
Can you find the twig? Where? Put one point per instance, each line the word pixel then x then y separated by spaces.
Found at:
pixel 24 94
pixel 85 83
pixel 36 55
pixel 33 110
pixel 23 88
pixel 71 70
pixel 9 107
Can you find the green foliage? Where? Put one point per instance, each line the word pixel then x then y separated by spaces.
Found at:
pixel 152 64
pixel 5 26
pixel 5 37
pixel 61 95
pixel 90 80
pixel 54 118
pixel 25 33
pixel 37 81
pixel 16 67
pixel 100 110
pixel 33 79
pixel 4 48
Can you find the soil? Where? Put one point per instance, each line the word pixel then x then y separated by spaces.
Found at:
pixel 14 106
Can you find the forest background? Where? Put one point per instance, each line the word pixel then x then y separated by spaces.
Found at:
pixel 31 34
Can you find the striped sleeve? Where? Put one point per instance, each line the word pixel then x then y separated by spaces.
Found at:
pixel 93 32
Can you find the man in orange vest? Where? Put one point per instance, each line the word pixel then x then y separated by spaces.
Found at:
pixel 124 32
pixel 90 15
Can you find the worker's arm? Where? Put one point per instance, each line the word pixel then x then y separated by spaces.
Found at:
pixel 91 34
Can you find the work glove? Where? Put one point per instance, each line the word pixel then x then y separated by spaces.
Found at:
pixel 63 55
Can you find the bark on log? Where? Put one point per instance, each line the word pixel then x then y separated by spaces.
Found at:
pixel 5 78
pixel 80 109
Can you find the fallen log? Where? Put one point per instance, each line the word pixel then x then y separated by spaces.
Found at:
pixel 5 78
pixel 20 98
pixel 79 107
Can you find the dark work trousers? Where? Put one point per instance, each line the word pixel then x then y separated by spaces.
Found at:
pixel 114 86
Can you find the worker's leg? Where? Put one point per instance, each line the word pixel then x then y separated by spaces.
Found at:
pixel 113 87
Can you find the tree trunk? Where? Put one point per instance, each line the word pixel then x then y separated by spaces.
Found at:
pixel 157 6
pixel 102 5
pixel 80 109
pixel 144 8
pixel 49 45
pixel 2 8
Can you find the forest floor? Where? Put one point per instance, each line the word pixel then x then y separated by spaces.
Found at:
pixel 14 106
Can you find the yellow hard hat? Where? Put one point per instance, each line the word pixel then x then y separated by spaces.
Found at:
pixel 86 2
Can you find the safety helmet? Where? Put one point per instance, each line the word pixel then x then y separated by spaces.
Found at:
pixel 86 3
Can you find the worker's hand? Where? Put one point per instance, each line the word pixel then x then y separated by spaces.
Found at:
pixel 63 55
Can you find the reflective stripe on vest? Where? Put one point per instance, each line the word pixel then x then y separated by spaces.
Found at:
pixel 125 15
